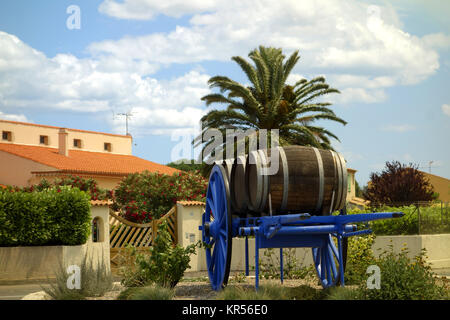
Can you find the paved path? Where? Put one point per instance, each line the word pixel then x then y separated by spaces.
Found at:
pixel 442 272
pixel 18 291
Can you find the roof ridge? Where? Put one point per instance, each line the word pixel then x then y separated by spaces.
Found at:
pixel 71 129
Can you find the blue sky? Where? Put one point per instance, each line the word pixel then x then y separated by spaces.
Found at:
pixel 390 60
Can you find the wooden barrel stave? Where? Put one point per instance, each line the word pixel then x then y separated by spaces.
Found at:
pixel 238 193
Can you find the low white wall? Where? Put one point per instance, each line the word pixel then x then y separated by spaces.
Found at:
pixel 42 262
pixel 437 247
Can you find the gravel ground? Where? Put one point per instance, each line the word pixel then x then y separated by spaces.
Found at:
pixel 200 288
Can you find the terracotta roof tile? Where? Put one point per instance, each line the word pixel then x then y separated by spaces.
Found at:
pixel 85 161
pixel 191 203
pixel 100 202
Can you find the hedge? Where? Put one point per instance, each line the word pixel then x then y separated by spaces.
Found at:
pixel 55 216
pixel 432 220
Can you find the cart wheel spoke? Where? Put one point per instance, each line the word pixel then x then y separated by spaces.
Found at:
pixel 328 259
pixel 332 262
pixel 333 247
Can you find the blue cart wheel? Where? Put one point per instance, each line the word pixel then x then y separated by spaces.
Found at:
pixel 216 230
pixel 326 260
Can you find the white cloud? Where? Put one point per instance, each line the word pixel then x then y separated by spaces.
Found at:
pixel 446 109
pixel 14 117
pixel 352 95
pixel 364 46
pixel 29 79
pixel 400 128
pixel 437 41
pixel 148 9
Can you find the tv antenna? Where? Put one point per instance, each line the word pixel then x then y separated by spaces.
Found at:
pixel 429 166
pixel 127 116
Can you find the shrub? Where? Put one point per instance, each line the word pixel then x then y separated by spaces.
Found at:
pixel 56 216
pixel 95 282
pixel 431 220
pixel 403 278
pixel 187 165
pixel 154 292
pixel 164 264
pixel 359 257
pixel 90 186
pixel 142 197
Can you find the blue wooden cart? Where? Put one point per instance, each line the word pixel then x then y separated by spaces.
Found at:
pixel 277 231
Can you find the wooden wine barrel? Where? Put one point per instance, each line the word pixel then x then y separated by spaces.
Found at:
pixel 307 180
pixel 238 192
pixel 227 164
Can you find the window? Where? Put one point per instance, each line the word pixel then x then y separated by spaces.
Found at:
pixel 77 143
pixel 43 140
pixel 97 230
pixel 107 146
pixel 6 135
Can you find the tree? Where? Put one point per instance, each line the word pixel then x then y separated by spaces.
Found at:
pixel 358 190
pixel 269 103
pixel 398 183
pixel 186 165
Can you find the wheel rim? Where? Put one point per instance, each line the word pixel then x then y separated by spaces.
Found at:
pixel 327 263
pixel 217 229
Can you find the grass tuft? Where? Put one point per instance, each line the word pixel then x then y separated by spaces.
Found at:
pixel 154 292
pixel 95 282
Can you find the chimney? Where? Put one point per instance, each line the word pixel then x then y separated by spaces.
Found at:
pixel 63 142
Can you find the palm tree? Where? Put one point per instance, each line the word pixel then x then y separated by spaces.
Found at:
pixel 269 103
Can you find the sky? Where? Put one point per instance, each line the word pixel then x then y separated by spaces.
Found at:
pixel 79 64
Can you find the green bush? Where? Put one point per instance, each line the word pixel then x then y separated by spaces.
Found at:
pixel 164 264
pixel 359 257
pixel 403 278
pixel 154 292
pixel 95 282
pixel 55 216
pixel 430 220
pixel 90 186
pixel 142 197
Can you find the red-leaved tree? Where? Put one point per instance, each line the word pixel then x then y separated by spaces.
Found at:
pixel 399 183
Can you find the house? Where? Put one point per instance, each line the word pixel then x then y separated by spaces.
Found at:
pixel 352 199
pixel 30 152
pixel 440 185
